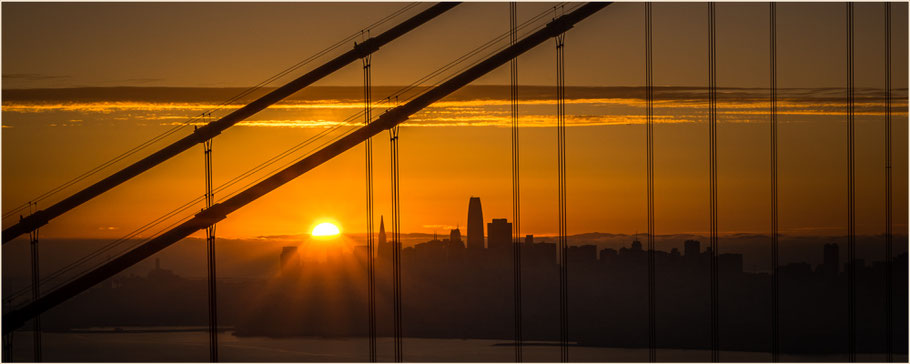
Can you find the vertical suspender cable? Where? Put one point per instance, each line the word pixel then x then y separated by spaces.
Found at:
pixel 561 146
pixel 851 197
pixel 649 135
pixel 775 252
pixel 889 273
pixel 33 238
pixel 371 268
pixel 396 245
pixel 210 253
pixel 712 156
pixel 516 196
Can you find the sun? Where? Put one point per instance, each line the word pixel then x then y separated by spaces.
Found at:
pixel 326 230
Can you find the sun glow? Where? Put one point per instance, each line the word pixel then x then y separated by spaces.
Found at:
pixel 326 230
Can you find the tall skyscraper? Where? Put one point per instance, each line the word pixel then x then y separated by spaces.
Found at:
pixel 500 235
pixel 475 224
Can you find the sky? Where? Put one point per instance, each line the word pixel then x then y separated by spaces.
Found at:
pixel 50 137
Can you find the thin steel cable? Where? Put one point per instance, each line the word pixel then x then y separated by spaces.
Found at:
pixel 775 243
pixel 561 157
pixel 649 131
pixel 396 244
pixel 889 260
pixel 247 174
pixel 36 275
pixel 529 23
pixel 218 107
pixel 368 158
pixel 516 196
pixel 712 156
pixel 98 168
pixel 210 255
pixel 851 195
pixel 171 214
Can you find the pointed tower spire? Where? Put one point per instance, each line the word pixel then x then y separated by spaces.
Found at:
pixel 381 231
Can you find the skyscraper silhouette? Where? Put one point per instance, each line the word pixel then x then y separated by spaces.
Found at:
pixel 500 235
pixel 475 224
pixel 455 235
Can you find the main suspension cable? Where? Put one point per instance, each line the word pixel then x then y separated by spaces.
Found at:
pixel 218 107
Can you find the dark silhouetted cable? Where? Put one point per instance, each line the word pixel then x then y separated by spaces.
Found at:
pixel 775 243
pixel 851 197
pixel 218 107
pixel 262 166
pixel 561 152
pixel 889 260
pixel 516 195
pixel 210 130
pixel 396 244
pixel 210 254
pixel 17 317
pixel 36 277
pixel 368 144
pixel 649 136
pixel 712 166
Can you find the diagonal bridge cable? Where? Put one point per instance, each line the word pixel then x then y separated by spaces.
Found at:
pixel 211 130
pixel 128 240
pixel 219 211
pixel 208 112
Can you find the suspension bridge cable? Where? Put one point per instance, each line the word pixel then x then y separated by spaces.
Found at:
pixel 36 332
pixel 243 94
pixel 649 131
pixel 42 217
pixel 368 158
pixel 561 160
pixel 210 255
pixel 712 156
pixel 775 243
pixel 396 244
pixel 220 106
pixel 248 173
pixel 889 260
pixel 184 207
pixel 528 23
pixel 250 90
pixel 98 168
pixel 516 196
pixel 16 317
pixel 71 266
pixel 851 195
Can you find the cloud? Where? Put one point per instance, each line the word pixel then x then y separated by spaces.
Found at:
pixel 31 77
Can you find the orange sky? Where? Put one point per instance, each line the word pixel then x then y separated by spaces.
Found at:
pixel 48 141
